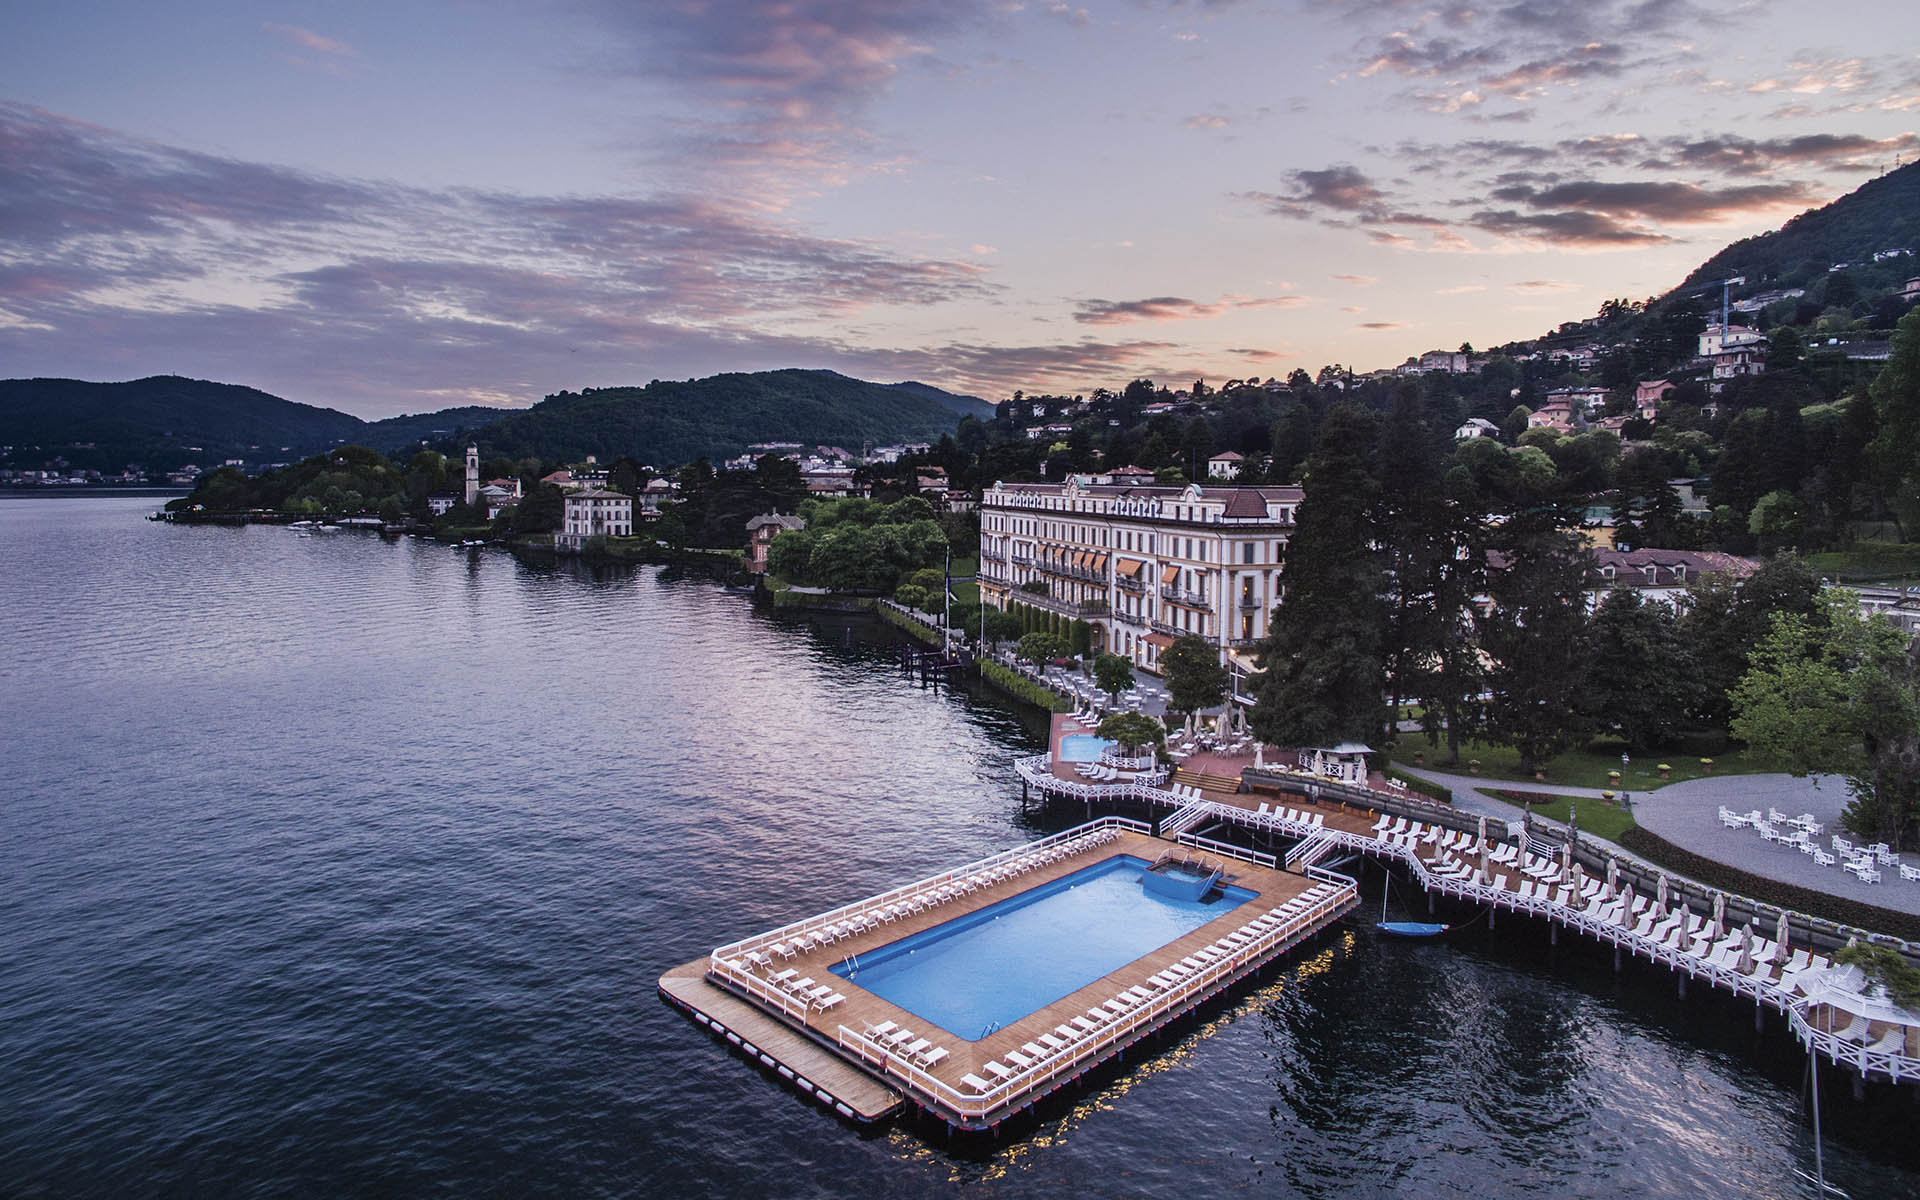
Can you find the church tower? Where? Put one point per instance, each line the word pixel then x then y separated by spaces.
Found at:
pixel 473 474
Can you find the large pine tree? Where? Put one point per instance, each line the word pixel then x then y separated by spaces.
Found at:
pixel 1322 671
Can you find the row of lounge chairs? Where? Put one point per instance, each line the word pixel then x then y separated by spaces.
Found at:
pixel 818 996
pixel 1677 930
pixel 1064 1038
pixel 1101 773
pixel 845 927
pixel 1299 816
pixel 901 1043
pixel 1186 791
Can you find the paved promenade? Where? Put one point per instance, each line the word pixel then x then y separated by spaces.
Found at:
pixel 1688 815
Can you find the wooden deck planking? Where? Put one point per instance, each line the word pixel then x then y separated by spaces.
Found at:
pixel 965 1056
pixel 827 1070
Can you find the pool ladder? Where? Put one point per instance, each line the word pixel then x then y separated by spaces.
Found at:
pixel 991 1026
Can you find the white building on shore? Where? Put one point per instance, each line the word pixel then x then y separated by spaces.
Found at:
pixel 1142 564
pixel 593 512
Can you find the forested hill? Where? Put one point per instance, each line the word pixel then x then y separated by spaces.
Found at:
pixel 670 422
pixel 1882 214
pixel 160 422
pixel 166 422
pixel 960 406
pixel 395 434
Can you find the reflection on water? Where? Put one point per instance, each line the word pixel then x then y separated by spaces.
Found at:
pixel 337 865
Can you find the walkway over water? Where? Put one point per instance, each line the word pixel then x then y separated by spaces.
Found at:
pixel 1825 1008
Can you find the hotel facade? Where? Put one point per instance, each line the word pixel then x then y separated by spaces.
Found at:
pixel 1141 564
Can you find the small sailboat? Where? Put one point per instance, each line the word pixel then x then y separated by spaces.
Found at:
pixel 1404 929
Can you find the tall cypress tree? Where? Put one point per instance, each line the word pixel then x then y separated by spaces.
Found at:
pixel 1321 661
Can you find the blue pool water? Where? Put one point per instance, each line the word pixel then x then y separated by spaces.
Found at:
pixel 1082 747
pixel 1006 961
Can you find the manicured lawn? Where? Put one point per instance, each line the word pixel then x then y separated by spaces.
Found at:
pixel 1586 766
pixel 1597 817
pixel 968 592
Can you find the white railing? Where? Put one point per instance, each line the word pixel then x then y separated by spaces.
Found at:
pixel 1225 849
pixel 1037 772
pixel 976 1107
pixel 793 929
pixel 1183 820
pixel 1597 921
pixel 1896 1065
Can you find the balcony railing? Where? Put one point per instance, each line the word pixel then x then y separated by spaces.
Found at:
pixel 1128 583
pixel 1066 572
pixel 1250 603
pixel 1063 606
pixel 987 555
pixel 1021 560
pixel 1189 599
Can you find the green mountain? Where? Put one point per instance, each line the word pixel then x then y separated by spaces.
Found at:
pixel 161 423
pixel 670 422
pixel 399 435
pixel 1880 215
pixel 960 406
pixel 167 422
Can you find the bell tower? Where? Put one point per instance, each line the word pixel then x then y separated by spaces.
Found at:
pixel 473 474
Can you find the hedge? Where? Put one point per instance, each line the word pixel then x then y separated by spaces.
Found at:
pixel 822 602
pixel 1656 849
pixel 918 629
pixel 1026 689
pixel 1426 787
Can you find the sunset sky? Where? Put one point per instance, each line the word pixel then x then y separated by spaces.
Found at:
pixel 390 208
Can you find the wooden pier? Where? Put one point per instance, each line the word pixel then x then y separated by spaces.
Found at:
pixel 812 1069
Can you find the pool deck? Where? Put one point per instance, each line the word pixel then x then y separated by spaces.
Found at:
pixel 942 1089
pixel 812 1068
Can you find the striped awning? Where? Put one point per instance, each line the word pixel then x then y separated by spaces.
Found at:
pixel 1159 639
pixel 1130 567
pixel 1099 563
pixel 1170 575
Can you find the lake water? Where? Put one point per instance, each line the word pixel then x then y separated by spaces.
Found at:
pixel 334 866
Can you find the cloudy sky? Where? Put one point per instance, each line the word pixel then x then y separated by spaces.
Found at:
pixel 390 207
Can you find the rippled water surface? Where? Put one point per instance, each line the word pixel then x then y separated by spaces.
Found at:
pixel 334 866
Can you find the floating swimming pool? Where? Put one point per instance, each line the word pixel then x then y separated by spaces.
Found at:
pixel 990 968
pixel 1082 747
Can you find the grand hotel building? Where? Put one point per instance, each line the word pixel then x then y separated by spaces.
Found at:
pixel 1143 564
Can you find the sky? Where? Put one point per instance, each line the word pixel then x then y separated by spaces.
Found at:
pixel 388 208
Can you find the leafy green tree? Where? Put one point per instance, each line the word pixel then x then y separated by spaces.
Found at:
pixel 1726 618
pixel 1895 452
pixel 1001 625
pixel 790 552
pixel 1195 678
pixel 1535 641
pixel 1132 731
pixel 1040 646
pixel 1113 673
pixel 1839 691
pixel 1643 684
pixel 542 510
pixel 1776 521
pixel 911 595
pixel 1322 663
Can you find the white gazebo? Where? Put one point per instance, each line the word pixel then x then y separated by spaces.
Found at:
pixel 1346 762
